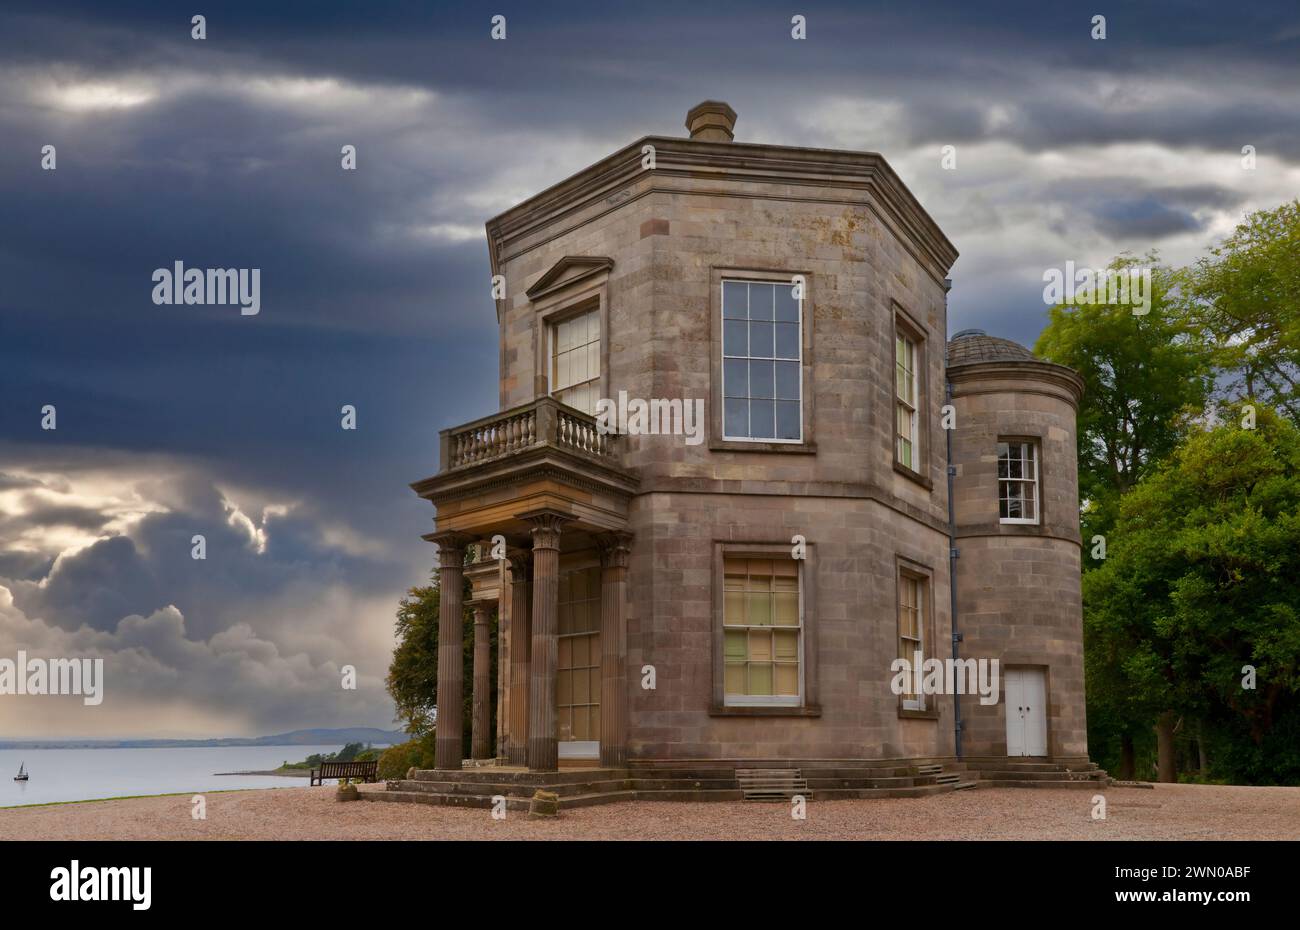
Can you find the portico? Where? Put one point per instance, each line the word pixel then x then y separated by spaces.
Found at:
pixel 541 480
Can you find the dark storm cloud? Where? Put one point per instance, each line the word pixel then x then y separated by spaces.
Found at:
pixel 1148 219
pixel 225 153
pixel 84 518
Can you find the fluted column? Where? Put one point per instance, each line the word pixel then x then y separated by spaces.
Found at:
pixel 521 606
pixel 480 719
pixel 543 751
pixel 451 578
pixel 503 665
pixel 614 551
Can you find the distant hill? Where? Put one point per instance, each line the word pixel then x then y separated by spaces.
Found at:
pixel 314 737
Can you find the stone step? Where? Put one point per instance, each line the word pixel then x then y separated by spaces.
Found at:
pixel 1014 775
pixel 502 775
pixel 685 784
pixel 910 781
pixel 771 784
pixel 1090 784
pixel 513 790
pixel 443 800
pixel 1003 765
pixel 809 771
pixel 486 801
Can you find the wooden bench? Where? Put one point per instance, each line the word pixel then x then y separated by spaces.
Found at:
pixel 367 771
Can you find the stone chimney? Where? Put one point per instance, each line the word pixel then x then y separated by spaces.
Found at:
pixel 712 121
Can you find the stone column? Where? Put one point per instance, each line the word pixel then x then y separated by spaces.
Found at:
pixel 521 632
pixel 614 551
pixel 451 578
pixel 480 745
pixel 543 750
pixel 503 663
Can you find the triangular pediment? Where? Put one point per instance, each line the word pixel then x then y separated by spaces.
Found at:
pixel 567 271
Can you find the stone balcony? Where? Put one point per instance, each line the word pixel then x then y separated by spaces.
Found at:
pixel 544 478
pixel 540 456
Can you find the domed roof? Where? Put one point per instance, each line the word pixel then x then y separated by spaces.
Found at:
pixel 971 346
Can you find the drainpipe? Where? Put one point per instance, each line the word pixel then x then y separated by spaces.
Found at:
pixel 952 537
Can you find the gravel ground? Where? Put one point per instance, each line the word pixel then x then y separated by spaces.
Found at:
pixel 1179 812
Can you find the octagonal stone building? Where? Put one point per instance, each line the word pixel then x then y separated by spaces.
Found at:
pixel 713 509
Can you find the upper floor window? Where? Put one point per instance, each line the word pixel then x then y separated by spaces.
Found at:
pixel 1018 481
pixel 911 633
pixel 907 401
pixel 762 629
pixel 575 360
pixel 762 362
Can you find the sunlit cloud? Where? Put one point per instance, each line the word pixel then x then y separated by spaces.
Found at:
pixel 91 96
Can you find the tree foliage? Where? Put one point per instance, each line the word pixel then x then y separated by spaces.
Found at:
pixel 413 674
pixel 1144 376
pixel 1244 299
pixel 1202 578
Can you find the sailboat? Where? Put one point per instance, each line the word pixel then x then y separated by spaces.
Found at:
pixel 22 772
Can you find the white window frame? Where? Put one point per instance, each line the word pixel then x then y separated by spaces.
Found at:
pixel 916 702
pixel 912 404
pixel 768 700
pixel 552 333
pixel 722 349
pixel 1034 482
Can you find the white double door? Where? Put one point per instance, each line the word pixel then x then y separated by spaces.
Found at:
pixel 1026 712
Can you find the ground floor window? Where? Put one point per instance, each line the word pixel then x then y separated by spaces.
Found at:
pixel 911 632
pixel 577 681
pixel 762 631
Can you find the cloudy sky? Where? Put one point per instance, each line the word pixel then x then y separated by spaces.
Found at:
pixel 173 421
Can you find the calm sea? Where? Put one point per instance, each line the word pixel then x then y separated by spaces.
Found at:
pixel 83 774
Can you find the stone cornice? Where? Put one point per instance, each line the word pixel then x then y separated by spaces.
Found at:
pixel 967 377
pixel 539 462
pixel 662 484
pixel 729 163
pixel 1014 531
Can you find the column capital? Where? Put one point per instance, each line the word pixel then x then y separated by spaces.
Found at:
pixel 451 547
pixel 482 608
pixel 615 548
pixel 546 524
pixel 521 560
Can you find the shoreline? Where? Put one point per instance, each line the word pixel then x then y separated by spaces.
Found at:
pixel 129 797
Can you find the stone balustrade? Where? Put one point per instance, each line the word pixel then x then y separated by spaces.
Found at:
pixel 543 422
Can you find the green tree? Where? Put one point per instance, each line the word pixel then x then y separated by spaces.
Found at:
pixel 1145 378
pixel 413 674
pixel 1244 297
pixel 349 752
pixel 1202 579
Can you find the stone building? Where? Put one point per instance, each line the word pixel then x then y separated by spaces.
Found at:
pixel 714 596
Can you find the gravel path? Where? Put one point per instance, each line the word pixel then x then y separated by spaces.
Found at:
pixel 1180 812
